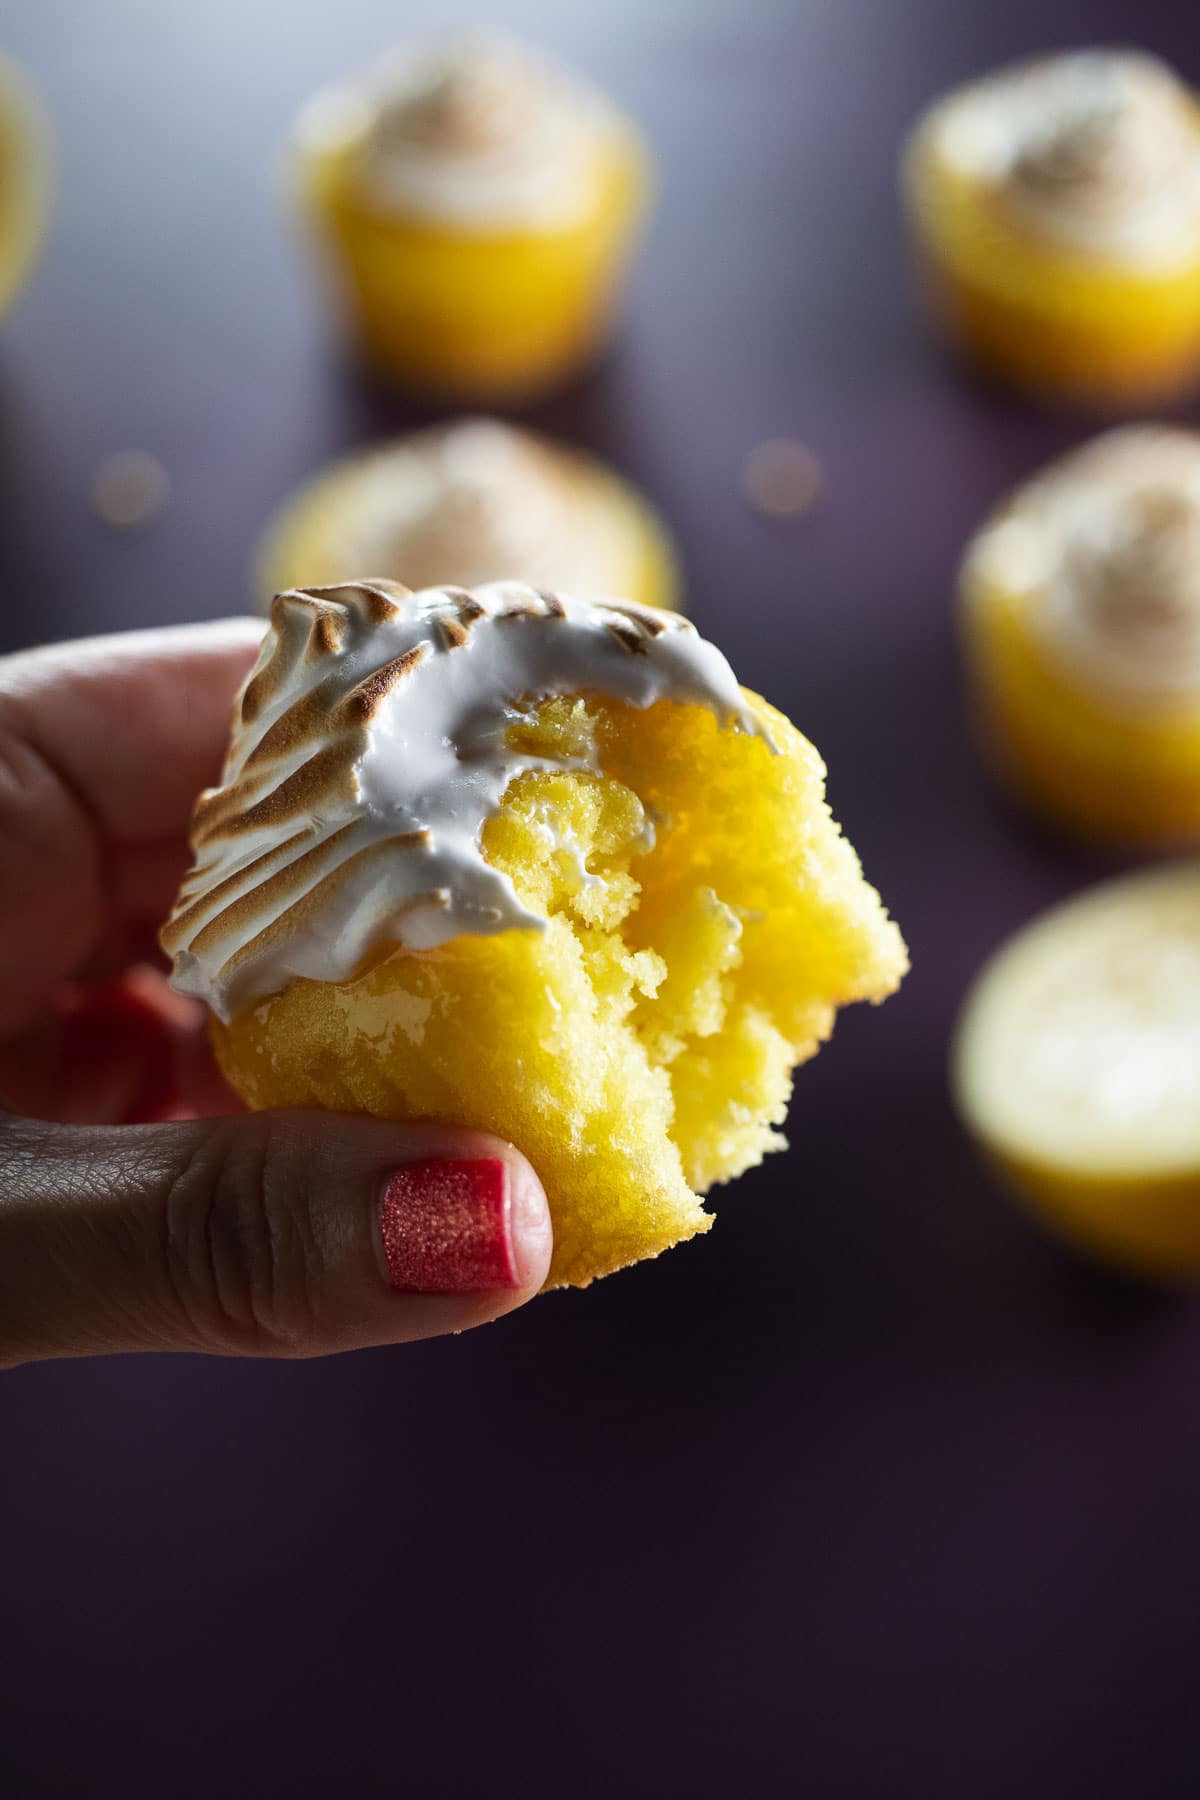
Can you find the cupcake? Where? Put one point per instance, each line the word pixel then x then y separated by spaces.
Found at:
pixel 1080 608
pixel 24 179
pixel 530 864
pixel 1056 206
pixel 1077 1069
pixel 472 502
pixel 481 203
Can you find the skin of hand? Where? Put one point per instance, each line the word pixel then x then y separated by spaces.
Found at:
pixel 140 1207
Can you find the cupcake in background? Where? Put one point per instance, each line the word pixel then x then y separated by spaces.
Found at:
pixel 1056 206
pixel 24 179
pixel 480 203
pixel 466 503
pixel 1081 616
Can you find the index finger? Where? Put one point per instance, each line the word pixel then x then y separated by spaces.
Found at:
pixel 135 724
pixel 104 745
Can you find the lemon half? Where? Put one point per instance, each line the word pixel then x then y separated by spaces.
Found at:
pixel 25 179
pixel 1077 1068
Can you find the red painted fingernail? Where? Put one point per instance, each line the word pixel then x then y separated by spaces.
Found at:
pixel 447 1227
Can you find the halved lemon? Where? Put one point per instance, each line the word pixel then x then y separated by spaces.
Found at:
pixel 1077 1068
pixel 25 178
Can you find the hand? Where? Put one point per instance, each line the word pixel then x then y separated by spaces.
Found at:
pixel 274 1234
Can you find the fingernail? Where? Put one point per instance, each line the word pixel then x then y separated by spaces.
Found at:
pixel 447 1227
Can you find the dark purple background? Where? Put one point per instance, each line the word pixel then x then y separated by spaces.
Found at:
pixel 874 1490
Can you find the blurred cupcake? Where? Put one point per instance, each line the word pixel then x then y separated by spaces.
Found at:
pixel 24 179
pixel 471 502
pixel 481 202
pixel 1057 208
pixel 1081 611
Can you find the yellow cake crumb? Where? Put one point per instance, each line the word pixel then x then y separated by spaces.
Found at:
pixel 703 919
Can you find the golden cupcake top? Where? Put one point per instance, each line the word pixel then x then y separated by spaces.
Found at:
pixel 477 131
pixel 370 744
pixel 1096 151
pixel 469 502
pixel 1102 552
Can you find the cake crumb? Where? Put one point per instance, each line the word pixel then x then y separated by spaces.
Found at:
pixel 129 489
pixel 782 478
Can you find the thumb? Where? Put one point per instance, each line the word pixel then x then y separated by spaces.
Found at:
pixel 272 1234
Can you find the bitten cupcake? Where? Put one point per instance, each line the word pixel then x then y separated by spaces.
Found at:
pixel 1056 205
pixel 531 864
pixel 1081 617
pixel 24 179
pixel 471 502
pixel 480 203
pixel 1077 1068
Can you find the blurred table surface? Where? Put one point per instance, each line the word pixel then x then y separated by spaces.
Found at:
pixel 873 1490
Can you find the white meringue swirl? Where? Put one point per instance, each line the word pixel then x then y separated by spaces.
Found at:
pixel 477 131
pixel 370 746
pixel 1104 549
pixel 1096 150
pixel 476 501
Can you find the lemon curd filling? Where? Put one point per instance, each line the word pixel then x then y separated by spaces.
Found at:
pixel 1081 623
pixel 480 203
pixel 1057 207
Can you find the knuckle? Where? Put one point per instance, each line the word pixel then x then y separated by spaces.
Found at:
pixel 240 1253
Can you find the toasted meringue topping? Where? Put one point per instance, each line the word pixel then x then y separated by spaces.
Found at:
pixel 477 130
pixel 1097 150
pixel 370 746
pixel 1105 549
pixel 471 502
